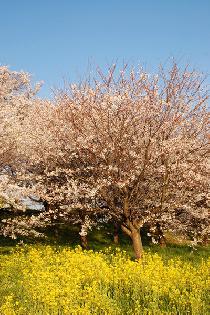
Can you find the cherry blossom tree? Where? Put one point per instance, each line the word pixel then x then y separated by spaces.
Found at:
pixel 16 96
pixel 136 143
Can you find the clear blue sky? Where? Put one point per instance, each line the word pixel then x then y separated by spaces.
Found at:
pixel 57 39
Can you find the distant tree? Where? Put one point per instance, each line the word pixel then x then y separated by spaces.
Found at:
pixel 16 96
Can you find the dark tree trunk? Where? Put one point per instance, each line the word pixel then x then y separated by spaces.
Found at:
pixel 161 237
pixel 162 241
pixel 56 231
pixel 116 233
pixel 46 205
pixel 84 241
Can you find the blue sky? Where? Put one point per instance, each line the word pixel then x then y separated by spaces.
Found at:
pixel 54 39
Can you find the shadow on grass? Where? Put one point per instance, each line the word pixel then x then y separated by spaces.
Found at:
pixel 64 236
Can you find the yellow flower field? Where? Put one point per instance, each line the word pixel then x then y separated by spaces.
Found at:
pixel 66 281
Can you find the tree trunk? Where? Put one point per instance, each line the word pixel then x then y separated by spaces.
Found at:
pixel 161 238
pixel 137 243
pixel 132 228
pixel 134 232
pixel 84 232
pixel 162 241
pixel 56 232
pixel 84 241
pixel 116 233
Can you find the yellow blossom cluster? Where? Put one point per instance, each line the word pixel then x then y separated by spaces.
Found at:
pixel 66 281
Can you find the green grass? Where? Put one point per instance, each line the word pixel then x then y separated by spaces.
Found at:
pixel 101 239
